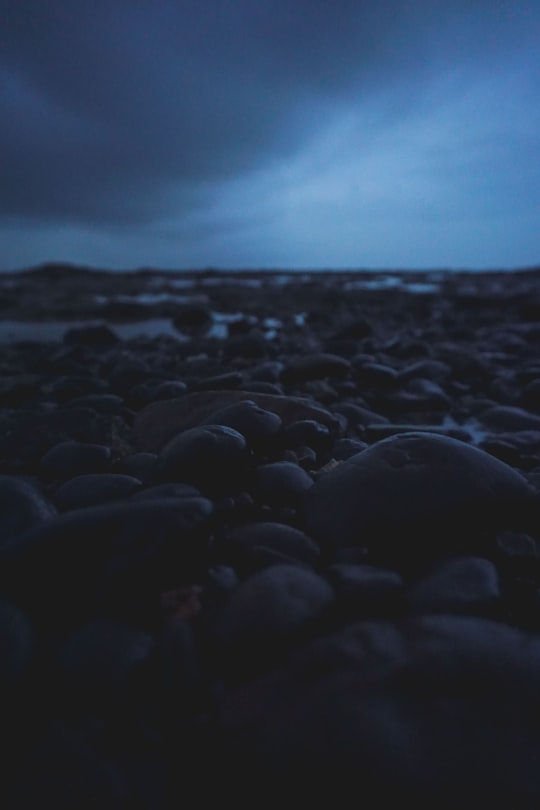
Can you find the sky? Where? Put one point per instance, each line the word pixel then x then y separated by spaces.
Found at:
pixel 270 133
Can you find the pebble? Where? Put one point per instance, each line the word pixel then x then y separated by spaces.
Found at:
pixel 213 457
pixel 365 589
pixel 412 494
pixel 462 585
pixel 281 483
pixel 103 554
pixel 94 488
pixel 16 643
pixel 318 617
pixel 71 458
pixel 315 366
pixel 235 546
pixel 161 421
pixel 101 655
pixel 22 506
pixel 259 427
pixel 271 606
pixel 408 706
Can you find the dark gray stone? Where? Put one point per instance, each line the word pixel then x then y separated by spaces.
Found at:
pixel 414 492
pixel 22 506
pixel 461 585
pixel 94 488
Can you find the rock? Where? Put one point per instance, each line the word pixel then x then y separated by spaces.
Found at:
pixel 60 570
pixel 70 458
pixel 359 416
pixel 376 374
pixel 366 588
pixel 281 483
pixel 461 585
pixel 259 427
pixel 16 643
pixel 99 336
pixel 413 493
pixel 315 366
pixel 307 432
pixel 102 403
pixel 507 417
pixel 22 506
pixel 213 458
pixel 271 607
pixel 234 546
pixel 192 317
pixel 101 655
pixel 345 448
pixel 94 488
pixel 230 380
pixel 419 394
pixel 172 489
pixel 139 465
pixel 158 423
pixel 437 709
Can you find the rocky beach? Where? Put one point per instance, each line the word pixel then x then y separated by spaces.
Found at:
pixel 269 535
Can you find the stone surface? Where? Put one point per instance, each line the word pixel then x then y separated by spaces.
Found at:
pixel 435 709
pixel 410 491
pixel 22 506
pixel 158 423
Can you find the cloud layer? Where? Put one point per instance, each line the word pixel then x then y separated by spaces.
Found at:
pixel 275 133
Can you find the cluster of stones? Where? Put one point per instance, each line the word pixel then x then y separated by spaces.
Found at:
pixel 271 560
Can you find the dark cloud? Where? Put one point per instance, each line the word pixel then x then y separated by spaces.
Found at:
pixel 125 113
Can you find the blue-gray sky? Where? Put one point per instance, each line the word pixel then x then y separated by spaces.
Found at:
pixel 270 133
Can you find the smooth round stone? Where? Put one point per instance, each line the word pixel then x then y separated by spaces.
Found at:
pixel 192 317
pixel 139 465
pixel 162 421
pixel 263 388
pixel 210 457
pixel 71 458
pixel 102 403
pixel 281 483
pixel 365 586
pixel 464 584
pixel 259 427
pixel 530 395
pixel 315 366
pixel 230 380
pixel 235 546
pixel 16 642
pixel 507 417
pixel 95 488
pixel 345 448
pixel 433 709
pixel 411 492
pixel 172 489
pixel 307 432
pixel 359 416
pixel 60 568
pixel 418 394
pixel 376 374
pixel 169 389
pixel 22 506
pixel 271 606
pixel 266 372
pixel 64 768
pixel 435 370
pixel 102 654
pixel 99 336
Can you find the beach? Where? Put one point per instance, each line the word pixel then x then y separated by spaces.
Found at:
pixel 273 525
